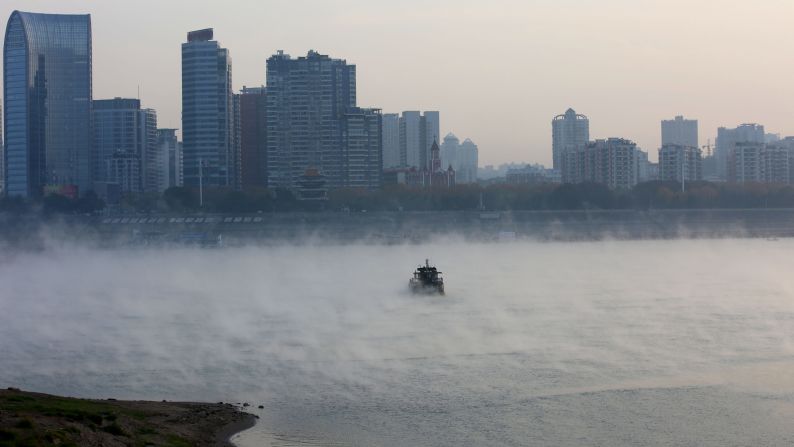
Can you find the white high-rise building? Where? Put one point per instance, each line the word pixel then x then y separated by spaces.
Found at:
pixel 391 141
pixel 462 157
pixel 570 132
pixel 468 158
pixel 680 131
pixel 449 151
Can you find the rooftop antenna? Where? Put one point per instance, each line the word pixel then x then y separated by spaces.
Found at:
pixel 139 92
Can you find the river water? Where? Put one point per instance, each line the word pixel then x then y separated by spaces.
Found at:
pixel 615 343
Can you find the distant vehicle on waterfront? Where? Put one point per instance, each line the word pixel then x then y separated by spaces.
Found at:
pixel 427 279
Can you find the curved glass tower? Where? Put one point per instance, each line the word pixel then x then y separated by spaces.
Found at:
pixel 47 93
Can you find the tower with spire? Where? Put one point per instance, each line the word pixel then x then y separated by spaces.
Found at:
pixel 433 177
pixel 435 157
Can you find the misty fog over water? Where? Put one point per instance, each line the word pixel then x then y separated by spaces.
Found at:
pixel 685 342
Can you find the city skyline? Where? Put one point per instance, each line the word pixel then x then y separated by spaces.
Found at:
pixel 523 60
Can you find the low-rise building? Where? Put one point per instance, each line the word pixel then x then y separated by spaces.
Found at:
pixel 531 174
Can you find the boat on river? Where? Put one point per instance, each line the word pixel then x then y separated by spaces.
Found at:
pixel 427 279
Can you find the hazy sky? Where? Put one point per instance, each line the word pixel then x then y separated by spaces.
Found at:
pixel 497 70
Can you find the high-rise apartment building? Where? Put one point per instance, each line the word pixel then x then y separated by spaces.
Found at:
pixel 462 157
pixel 170 147
pixel 777 163
pixel 680 131
pixel 120 125
pixel 429 133
pixel 760 163
pixel 726 144
pixel 679 163
pixel 411 140
pixel 771 138
pixel 449 150
pixel 391 141
pixel 307 99
pixel 418 132
pixel 207 112
pixel 746 164
pixel 611 162
pixel 362 149
pixel 468 159
pixel 570 132
pixel 47 93
pixel 253 137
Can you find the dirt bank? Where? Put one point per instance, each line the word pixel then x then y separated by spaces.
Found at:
pixel 40 419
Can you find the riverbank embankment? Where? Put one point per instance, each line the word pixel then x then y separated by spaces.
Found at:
pixel 40 419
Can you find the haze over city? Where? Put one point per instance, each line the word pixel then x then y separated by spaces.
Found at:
pixel 427 223
pixel 498 71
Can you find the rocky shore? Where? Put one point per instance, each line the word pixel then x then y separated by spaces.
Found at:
pixel 39 419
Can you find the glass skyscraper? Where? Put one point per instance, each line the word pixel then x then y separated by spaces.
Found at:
pixel 207 112
pixel 47 94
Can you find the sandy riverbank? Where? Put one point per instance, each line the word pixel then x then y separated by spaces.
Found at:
pixel 39 419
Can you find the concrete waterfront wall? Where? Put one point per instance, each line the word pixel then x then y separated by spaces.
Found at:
pixel 398 227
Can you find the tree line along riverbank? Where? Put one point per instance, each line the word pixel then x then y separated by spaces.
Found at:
pixel 493 197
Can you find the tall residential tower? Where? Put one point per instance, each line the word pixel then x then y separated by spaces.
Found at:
pixel 570 132
pixel 418 132
pixel 680 132
pixel 307 99
pixel 253 137
pixel 391 141
pixel 170 147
